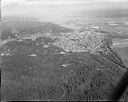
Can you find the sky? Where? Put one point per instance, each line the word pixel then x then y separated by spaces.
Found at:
pixel 12 3
pixel 61 1
pixel 54 9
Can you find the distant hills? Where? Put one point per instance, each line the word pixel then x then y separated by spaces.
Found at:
pixel 18 18
pixel 106 13
pixel 13 28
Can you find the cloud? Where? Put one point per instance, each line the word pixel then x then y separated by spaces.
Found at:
pixel 12 2
pixel 118 0
pixel 78 0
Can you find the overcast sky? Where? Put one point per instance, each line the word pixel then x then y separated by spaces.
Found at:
pixel 6 3
pixel 63 1
pixel 48 9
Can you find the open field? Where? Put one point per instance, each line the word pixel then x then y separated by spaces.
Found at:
pixel 121 47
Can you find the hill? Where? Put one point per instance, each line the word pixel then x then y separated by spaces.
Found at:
pixel 30 70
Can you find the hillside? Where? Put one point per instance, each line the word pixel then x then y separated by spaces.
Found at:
pixel 43 69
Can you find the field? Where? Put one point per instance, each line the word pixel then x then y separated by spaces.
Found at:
pixel 122 49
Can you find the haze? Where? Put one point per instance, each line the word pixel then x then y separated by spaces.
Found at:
pixel 56 10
